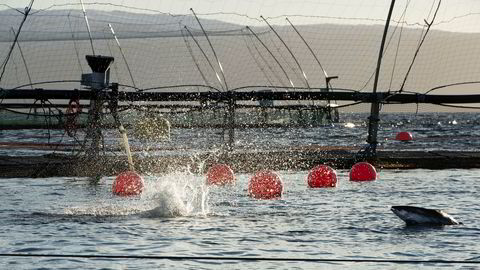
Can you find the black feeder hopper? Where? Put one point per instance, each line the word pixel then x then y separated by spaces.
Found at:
pixel 99 63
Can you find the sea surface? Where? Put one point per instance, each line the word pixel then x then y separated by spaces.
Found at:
pixel 178 215
pixel 431 131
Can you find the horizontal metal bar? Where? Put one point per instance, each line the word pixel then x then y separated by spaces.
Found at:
pixel 383 97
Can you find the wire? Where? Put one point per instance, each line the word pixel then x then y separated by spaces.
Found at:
pixel 25 15
pixel 212 48
pixel 238 258
pixel 457 106
pixel 451 84
pixel 45 82
pixel 257 62
pixel 429 25
pixel 271 54
pixel 204 55
pixel 179 86
pixel 386 48
pixel 194 59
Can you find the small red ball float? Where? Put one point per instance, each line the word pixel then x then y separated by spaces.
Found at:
pixel 322 176
pixel 265 185
pixel 363 171
pixel 220 174
pixel 128 183
pixel 404 136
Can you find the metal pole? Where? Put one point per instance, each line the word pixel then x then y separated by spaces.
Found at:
pixel 272 55
pixel 204 55
pixel 231 96
pixel 123 55
pixel 290 51
pixel 309 48
pixel 375 108
pixel 88 26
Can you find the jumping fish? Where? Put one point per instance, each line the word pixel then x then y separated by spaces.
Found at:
pixel 413 215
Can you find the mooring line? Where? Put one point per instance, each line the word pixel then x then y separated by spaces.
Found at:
pixel 228 258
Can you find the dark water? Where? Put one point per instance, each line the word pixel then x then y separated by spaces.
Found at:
pixel 178 216
pixel 431 131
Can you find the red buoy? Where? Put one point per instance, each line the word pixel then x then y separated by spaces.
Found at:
pixel 363 171
pixel 265 185
pixel 220 174
pixel 404 136
pixel 322 176
pixel 128 183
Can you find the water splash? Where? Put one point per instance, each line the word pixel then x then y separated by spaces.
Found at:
pixel 172 195
pixel 178 194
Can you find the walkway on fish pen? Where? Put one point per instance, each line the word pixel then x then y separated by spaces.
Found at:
pixel 296 158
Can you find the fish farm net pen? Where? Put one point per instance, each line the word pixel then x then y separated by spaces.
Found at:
pixel 296 69
pixel 239 258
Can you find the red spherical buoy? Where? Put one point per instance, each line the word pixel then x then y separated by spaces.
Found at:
pixel 322 176
pixel 363 171
pixel 127 184
pixel 220 174
pixel 265 185
pixel 404 136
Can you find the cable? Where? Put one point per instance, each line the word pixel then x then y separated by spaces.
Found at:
pixel 451 84
pixel 46 82
pixel 257 62
pixel 205 55
pixel 238 258
pixel 25 15
pixel 387 46
pixel 194 59
pixel 457 106
pixel 429 25
pixel 74 43
pixel 398 45
pixel 289 51
pixel 212 48
pixel 271 54
pixel 179 86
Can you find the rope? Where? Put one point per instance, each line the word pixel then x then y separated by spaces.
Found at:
pixel 227 258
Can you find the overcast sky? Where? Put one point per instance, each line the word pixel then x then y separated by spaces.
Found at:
pixel 453 15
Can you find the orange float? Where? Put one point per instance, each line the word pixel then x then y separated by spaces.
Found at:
pixel 404 136
pixel 265 185
pixel 322 176
pixel 128 183
pixel 220 174
pixel 363 171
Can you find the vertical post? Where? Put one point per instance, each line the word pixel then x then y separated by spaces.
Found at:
pixel 375 108
pixel 231 120
pixel 99 80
